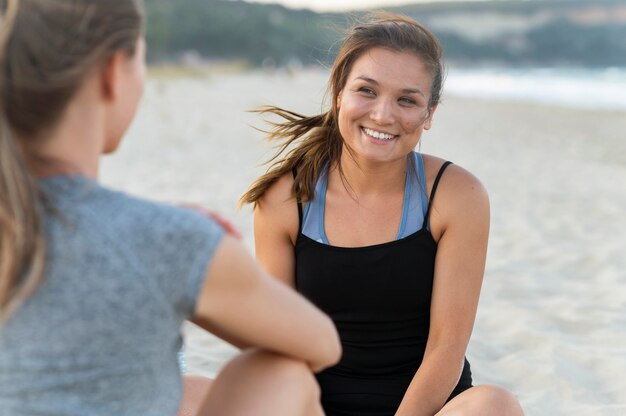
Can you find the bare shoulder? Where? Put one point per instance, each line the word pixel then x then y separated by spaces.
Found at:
pixel 277 208
pixel 456 185
pixel 460 196
pixel 278 199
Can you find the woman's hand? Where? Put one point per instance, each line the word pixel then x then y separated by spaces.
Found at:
pixel 228 226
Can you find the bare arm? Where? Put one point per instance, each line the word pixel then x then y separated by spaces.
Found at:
pixel 461 220
pixel 275 231
pixel 242 304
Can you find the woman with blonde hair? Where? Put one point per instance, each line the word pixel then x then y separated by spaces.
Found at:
pixel 391 243
pixel 94 284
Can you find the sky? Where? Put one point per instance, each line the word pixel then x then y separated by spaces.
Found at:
pixel 340 5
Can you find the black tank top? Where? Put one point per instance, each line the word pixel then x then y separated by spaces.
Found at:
pixel 379 299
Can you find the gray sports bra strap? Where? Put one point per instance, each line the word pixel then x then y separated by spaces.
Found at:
pixel 433 191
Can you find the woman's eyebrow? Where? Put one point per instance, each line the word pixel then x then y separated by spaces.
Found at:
pixel 413 91
pixel 404 90
pixel 368 79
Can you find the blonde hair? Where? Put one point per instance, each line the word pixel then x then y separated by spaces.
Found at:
pixel 307 144
pixel 47 48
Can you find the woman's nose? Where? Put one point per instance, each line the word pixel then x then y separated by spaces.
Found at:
pixel 382 112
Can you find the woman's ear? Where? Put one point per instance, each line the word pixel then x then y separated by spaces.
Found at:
pixel 110 76
pixel 429 121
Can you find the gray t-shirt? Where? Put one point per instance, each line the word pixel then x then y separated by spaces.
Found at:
pixel 100 335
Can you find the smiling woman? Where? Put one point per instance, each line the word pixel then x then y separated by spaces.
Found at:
pixel 348 217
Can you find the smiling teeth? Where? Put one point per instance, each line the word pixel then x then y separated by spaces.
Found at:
pixel 378 135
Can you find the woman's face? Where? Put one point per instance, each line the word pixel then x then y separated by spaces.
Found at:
pixel 383 107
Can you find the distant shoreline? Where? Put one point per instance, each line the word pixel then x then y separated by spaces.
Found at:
pixel 171 70
pixel 570 87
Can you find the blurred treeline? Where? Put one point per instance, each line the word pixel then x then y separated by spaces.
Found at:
pixel 588 33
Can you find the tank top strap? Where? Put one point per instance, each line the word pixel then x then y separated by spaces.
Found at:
pixel 299 202
pixel 433 191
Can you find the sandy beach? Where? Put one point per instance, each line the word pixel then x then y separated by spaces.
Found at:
pixel 551 324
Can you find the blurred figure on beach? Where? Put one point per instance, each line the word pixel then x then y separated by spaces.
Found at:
pixel 94 283
pixel 391 243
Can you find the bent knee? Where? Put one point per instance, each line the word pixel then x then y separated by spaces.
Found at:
pixel 291 370
pixel 498 399
pixel 277 367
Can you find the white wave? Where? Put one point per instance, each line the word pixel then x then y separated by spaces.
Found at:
pixel 579 88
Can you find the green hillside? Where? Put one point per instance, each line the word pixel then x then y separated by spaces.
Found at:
pixel 545 33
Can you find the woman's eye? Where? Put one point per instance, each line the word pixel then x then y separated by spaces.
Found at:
pixel 407 101
pixel 367 90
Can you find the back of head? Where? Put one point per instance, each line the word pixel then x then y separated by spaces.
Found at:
pixel 47 50
pixel 48 47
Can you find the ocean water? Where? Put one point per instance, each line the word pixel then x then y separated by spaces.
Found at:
pixel 593 89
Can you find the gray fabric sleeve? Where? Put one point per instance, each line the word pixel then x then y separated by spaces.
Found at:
pixel 188 245
pixel 173 246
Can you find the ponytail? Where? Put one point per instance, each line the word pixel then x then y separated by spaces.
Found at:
pixel 22 245
pixel 305 146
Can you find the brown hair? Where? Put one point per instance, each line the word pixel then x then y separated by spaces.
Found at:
pixel 307 144
pixel 47 49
